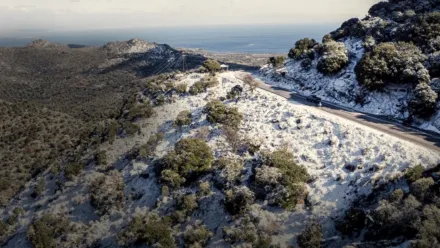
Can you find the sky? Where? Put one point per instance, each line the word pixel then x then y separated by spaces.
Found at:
pixel 67 15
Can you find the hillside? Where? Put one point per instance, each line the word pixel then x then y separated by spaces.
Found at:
pixel 233 191
pixel 384 64
pixel 114 146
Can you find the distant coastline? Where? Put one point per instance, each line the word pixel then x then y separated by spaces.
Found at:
pixel 261 39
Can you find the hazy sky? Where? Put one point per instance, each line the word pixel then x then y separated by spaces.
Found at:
pixel 98 14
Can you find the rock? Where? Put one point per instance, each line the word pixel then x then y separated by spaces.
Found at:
pixel 350 167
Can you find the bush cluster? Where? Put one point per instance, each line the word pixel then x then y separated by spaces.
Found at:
pixel 304 48
pixel 276 61
pixel 107 193
pixel 211 65
pixel 350 28
pixel 196 235
pixel 392 63
pixel 148 229
pixel 424 101
pixel 238 200
pixel 311 236
pixel 413 215
pixel 218 112
pixel 184 118
pixel 190 158
pixel 235 92
pixel 423 31
pixel 32 140
pixel 334 57
pixel 48 231
pixel 248 232
pixel 203 85
pixel 228 172
pixel 146 150
pixel 281 180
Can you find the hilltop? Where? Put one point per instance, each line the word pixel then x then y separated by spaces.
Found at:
pixel 384 64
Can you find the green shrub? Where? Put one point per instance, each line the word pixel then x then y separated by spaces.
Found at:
pixel 350 28
pixel 39 187
pixel 415 173
pixel 303 49
pixel 189 158
pixel 139 110
pixel 172 178
pixel 147 150
pixel 391 63
pixel 107 193
pixel 184 118
pixel 159 100
pixel 202 85
pixel 396 196
pixel 211 65
pixel 311 236
pixel 196 236
pixel 424 101
pixel 228 172
pixel 292 181
pixel 149 229
pixel 248 232
pixel 47 231
pixel 284 160
pixel 235 92
pixel 182 88
pixel 72 170
pixel 429 232
pixel 334 57
pixel 238 200
pixel 217 112
pixel 165 191
pixel 197 88
pixel 420 187
pixel 4 228
pixel 421 30
pixel 204 188
pixel 101 158
pixel 187 203
pixel 276 61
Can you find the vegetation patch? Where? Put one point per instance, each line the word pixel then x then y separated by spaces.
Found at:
pixel 280 180
pixel 190 158
pixel 107 193
pixel 304 48
pixel 148 229
pixel 334 57
pixel 48 231
pixel 218 112
pixel 392 63
pixel 184 118
pixel 311 236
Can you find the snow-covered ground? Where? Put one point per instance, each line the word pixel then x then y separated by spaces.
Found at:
pixel 343 87
pixel 325 144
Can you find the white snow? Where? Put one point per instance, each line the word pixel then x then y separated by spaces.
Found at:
pixel 323 143
pixel 343 87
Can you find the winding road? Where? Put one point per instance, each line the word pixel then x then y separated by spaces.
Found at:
pixel 427 139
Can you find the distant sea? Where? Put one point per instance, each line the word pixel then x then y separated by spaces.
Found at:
pixel 242 39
